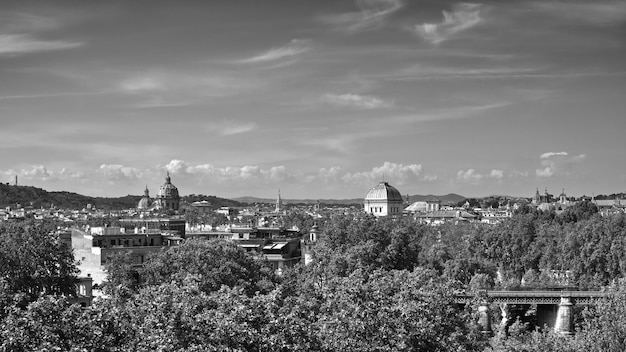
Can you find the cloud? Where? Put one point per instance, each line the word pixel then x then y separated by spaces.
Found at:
pixel 293 48
pixel 472 176
pixel 459 112
pixel 372 15
pixel 558 163
pixel 142 84
pixel 551 154
pixel 229 128
pixel 19 22
pixel 463 16
pixel 37 172
pixel 246 173
pixel 356 101
pixel 72 175
pixel 17 44
pixel 158 88
pixel 594 12
pixel 397 173
pixel 116 172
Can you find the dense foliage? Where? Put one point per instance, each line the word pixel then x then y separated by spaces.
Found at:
pixel 34 262
pixel 374 285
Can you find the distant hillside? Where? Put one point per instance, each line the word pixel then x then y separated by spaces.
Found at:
pixel 448 198
pixel 215 201
pixel 252 200
pixel 37 197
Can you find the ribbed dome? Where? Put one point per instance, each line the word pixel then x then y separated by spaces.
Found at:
pixel 168 190
pixel 384 191
pixel 145 201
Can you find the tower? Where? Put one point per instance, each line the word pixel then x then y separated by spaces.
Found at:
pixel 145 202
pixel 537 198
pixel 279 204
pixel 307 245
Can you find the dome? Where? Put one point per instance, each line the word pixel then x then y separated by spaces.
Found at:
pixel 145 202
pixel 168 190
pixel 384 191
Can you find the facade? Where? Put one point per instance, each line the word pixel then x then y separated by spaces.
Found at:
pixel 93 248
pixel 383 200
pixel 173 225
pixel 307 245
pixel 441 217
pixel 167 198
pixel 278 246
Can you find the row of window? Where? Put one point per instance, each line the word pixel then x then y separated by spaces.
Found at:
pixel 123 242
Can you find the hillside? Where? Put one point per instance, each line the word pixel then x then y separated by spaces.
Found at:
pixel 37 197
pixel 450 198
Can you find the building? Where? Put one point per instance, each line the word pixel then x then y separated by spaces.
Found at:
pixel 95 246
pixel 383 200
pixel 279 204
pixel 167 198
pixel 429 205
pixel 145 202
pixel 441 217
pixel 278 246
pixel 307 245
pixel 171 225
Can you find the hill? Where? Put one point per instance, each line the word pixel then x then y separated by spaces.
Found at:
pixel 450 198
pixel 38 198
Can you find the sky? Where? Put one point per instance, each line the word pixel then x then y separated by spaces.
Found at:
pixel 314 98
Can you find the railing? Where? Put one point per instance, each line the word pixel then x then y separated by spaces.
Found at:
pixel 532 297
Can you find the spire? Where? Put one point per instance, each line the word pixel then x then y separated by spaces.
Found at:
pixel 279 203
pixel 146 192
pixel 168 179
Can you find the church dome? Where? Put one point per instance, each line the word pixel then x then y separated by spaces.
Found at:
pixel 168 190
pixel 145 201
pixel 384 191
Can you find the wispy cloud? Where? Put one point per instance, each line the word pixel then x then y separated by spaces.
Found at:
pixel 51 95
pixel 356 101
pixel 162 88
pixel 372 15
pixel 293 48
pixel 601 12
pixel 462 17
pixel 423 72
pixel 18 44
pixel 464 111
pixel 228 128
pixel 558 163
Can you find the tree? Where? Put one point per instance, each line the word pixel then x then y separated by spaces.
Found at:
pixel 33 261
pixel 212 263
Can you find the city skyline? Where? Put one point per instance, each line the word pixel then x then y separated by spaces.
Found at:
pixel 320 99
